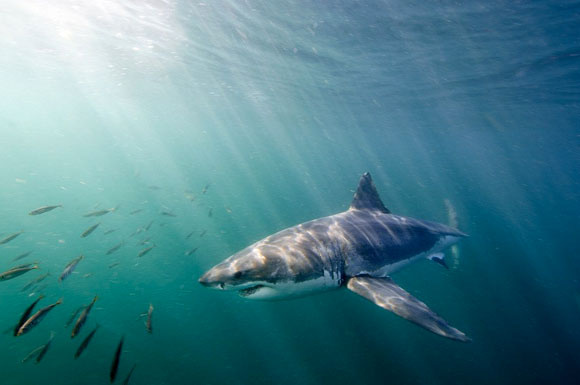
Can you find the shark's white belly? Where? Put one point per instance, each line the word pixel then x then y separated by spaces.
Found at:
pixel 291 289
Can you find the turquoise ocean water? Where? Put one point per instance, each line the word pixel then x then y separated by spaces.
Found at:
pixel 241 118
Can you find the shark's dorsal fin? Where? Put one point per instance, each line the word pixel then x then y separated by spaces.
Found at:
pixel 366 196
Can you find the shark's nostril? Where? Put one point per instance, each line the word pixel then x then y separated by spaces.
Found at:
pixel 237 274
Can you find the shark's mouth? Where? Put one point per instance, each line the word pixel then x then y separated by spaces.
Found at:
pixel 250 290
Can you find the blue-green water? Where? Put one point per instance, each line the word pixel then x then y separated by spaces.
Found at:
pixel 279 107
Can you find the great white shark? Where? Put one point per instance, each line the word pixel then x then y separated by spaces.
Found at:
pixel 358 249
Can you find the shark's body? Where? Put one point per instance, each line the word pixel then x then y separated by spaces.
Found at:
pixel 358 248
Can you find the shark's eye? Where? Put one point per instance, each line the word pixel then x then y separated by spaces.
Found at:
pixel 237 274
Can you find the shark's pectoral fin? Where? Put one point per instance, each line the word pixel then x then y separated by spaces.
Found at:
pixel 388 295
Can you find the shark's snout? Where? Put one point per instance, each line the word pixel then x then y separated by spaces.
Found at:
pixel 245 272
pixel 204 280
pixel 225 276
pixel 244 269
pixel 211 279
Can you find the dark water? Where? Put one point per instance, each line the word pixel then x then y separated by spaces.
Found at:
pixel 279 107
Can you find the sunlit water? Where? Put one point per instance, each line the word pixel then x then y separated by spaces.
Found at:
pixel 276 109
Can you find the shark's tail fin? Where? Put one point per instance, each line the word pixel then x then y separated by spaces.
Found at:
pixel 452 221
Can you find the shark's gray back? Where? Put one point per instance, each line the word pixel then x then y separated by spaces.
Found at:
pixel 302 253
pixel 349 243
pixel 373 239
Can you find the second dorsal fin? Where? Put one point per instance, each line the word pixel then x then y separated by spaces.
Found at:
pixel 366 196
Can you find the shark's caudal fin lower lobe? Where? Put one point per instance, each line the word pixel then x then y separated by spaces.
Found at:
pixel 438 258
pixel 385 293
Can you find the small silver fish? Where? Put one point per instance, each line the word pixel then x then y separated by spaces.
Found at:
pixel 73 316
pixel 148 324
pixel 116 359
pixel 70 268
pixel 22 256
pixel 145 251
pixel 115 248
pixel 83 318
pixel 45 347
pixel 88 231
pixel 38 289
pixel 168 214
pixel 85 342
pixel 109 231
pixel 24 317
pixel 10 237
pixel 190 252
pixel 99 213
pixel 135 211
pixel 126 382
pixel 145 241
pixel 36 318
pixel 16 271
pixel 43 209
pixel 35 281
pixel 32 354
pixel 136 232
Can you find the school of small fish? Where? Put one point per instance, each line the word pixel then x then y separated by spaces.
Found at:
pixel 29 319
